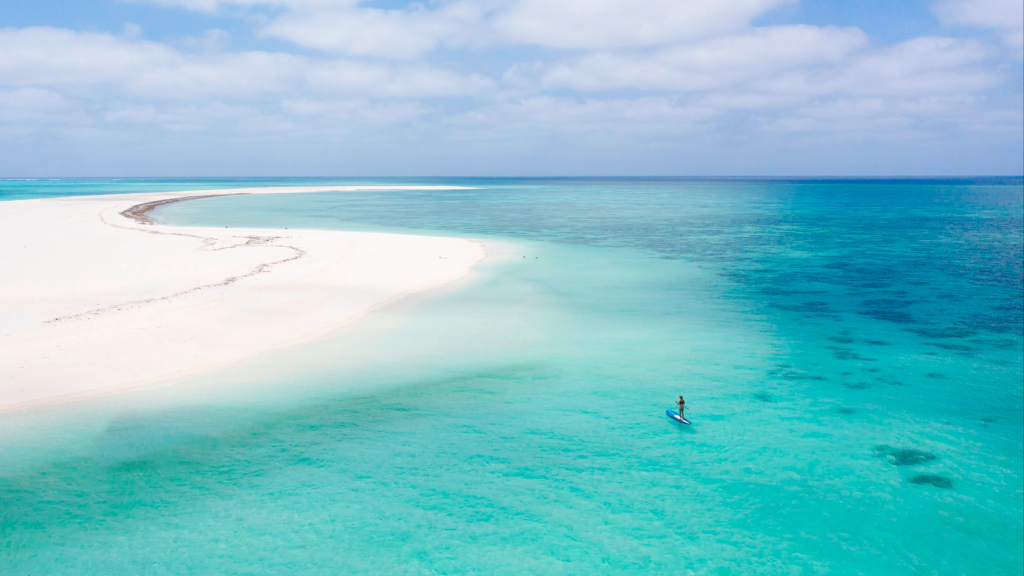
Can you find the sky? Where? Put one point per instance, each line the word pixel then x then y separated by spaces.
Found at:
pixel 511 88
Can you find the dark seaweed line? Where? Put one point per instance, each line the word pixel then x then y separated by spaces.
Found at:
pixel 140 213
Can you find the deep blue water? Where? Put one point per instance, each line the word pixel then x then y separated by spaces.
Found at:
pixel 851 350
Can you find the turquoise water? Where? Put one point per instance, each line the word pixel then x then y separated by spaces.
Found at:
pixel 851 351
pixel 29 188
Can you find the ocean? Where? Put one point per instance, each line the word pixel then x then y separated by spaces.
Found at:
pixel 850 352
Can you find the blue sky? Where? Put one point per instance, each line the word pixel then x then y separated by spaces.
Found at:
pixel 510 87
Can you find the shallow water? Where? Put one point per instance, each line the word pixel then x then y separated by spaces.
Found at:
pixel 851 351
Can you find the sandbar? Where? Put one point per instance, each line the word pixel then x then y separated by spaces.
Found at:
pixel 96 297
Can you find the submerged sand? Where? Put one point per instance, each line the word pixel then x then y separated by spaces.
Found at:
pixel 95 297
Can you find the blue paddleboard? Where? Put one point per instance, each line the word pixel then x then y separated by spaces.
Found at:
pixel 675 416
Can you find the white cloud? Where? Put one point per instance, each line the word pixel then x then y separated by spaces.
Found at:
pixel 922 66
pixel 610 72
pixel 408 81
pixel 79 60
pixel 603 24
pixel 756 54
pixel 209 41
pixel 875 116
pixel 363 111
pixel 373 32
pixel 1005 16
pixel 347 27
pixel 30 105
pixel 779 66
pixel 178 116
pixel 799 79
pixel 53 56
pixel 210 6
pixel 770 71
pixel 344 27
pixel 645 114
pixel 222 75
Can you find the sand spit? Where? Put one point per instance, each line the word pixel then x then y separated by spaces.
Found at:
pixel 95 297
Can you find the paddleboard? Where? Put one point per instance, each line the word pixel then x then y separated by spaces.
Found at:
pixel 675 416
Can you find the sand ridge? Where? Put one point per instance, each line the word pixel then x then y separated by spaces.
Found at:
pixel 96 297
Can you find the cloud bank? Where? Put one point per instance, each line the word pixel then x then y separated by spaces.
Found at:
pixel 519 86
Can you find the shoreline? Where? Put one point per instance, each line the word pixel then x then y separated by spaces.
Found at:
pixel 140 212
pixel 99 309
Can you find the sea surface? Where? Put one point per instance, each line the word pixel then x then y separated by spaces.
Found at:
pixel 850 351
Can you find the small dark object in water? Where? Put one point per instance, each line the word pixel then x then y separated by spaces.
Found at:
pixel 845 410
pixel 877 342
pixel 903 456
pixel 841 339
pixel 856 385
pixel 933 479
pixel 764 397
pixel 937 376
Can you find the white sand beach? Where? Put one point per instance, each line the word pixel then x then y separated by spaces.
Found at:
pixel 96 298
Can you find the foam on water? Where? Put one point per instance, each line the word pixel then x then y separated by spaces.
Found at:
pixel 851 352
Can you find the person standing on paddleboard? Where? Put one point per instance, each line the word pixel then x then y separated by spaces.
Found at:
pixel 682 406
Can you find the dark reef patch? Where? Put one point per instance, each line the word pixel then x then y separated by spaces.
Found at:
pixel 1000 343
pixel 886 303
pixel 953 332
pixel 790 293
pixel 848 354
pixel 877 342
pixel 841 339
pixel 798 376
pixel 764 397
pixel 856 385
pixel 903 456
pixel 936 376
pixel 896 316
pixel 952 347
pixel 844 410
pixel 787 374
pixel 933 479
pixel 820 309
